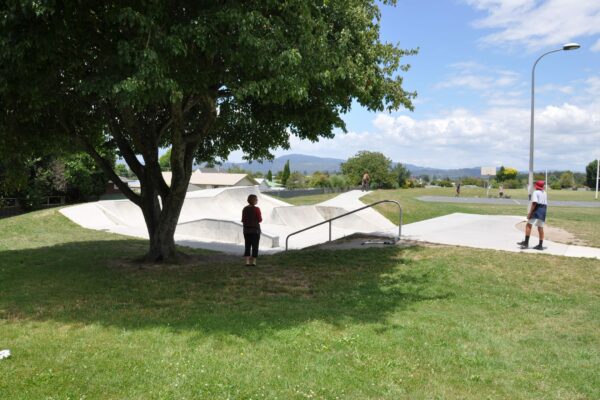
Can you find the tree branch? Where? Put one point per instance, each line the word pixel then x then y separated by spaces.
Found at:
pixel 107 168
pixel 126 150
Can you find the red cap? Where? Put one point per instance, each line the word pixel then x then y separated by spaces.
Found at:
pixel 539 184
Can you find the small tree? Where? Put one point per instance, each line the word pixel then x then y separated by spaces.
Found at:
pixel 296 180
pixel 402 174
pixel 590 174
pixel 286 173
pixel 567 180
pixel 505 174
pixel 270 176
pixel 319 179
pixel 338 181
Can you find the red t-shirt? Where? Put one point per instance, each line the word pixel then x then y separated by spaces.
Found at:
pixel 251 217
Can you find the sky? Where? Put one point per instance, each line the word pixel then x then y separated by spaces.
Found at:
pixel 473 79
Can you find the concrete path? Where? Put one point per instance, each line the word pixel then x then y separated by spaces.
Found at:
pixel 512 202
pixel 495 232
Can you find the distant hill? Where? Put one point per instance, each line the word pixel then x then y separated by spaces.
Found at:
pixel 443 173
pixel 310 164
pixel 298 162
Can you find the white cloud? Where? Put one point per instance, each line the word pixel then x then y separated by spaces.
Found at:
pixel 550 87
pixel 537 24
pixel 498 87
pixel 477 76
pixel 596 46
pixel 567 136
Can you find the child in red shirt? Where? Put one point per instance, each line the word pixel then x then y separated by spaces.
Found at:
pixel 251 219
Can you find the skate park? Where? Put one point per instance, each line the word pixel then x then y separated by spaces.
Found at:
pixel 210 219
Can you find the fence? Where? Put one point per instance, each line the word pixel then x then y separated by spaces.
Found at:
pixel 11 206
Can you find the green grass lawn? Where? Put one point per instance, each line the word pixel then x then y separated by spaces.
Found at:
pixel 83 321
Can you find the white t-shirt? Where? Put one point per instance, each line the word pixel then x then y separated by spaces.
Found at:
pixel 540 197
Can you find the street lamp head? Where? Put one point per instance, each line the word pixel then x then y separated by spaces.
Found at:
pixel 571 46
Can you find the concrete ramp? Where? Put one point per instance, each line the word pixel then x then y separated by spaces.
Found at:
pixel 222 231
pixel 211 218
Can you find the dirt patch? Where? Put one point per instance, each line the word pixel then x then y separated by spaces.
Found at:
pixel 554 234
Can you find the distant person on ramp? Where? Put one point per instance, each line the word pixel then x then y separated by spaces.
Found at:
pixel 458 190
pixel 251 219
pixel 366 181
pixel 536 216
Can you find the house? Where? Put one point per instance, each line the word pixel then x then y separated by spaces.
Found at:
pixel 210 180
pixel 204 180
pixel 263 184
pixel 268 186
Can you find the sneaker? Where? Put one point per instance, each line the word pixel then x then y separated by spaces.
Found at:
pixel 522 243
pixel 538 247
pixel 524 246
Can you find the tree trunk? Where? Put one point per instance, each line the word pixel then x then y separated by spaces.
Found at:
pixel 161 220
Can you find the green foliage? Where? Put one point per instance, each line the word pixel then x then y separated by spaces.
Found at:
pixel 235 169
pixel 471 180
pixel 567 180
pixel 319 179
pixel 270 176
pixel 378 166
pixel 165 161
pixel 591 174
pixel 401 174
pixel 286 173
pixel 74 176
pixel 296 180
pixel 443 182
pixel 85 180
pixel 339 181
pixel 506 173
pixel 512 184
pixel 122 170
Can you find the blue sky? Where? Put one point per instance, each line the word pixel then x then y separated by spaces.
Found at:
pixel 473 78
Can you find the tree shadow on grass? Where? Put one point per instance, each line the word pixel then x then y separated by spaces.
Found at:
pixel 94 283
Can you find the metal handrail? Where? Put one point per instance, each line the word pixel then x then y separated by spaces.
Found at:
pixel 348 213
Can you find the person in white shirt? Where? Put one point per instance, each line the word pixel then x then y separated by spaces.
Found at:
pixel 536 216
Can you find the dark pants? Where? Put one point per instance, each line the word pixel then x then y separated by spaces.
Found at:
pixel 251 242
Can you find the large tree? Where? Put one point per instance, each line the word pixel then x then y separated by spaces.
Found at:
pixel 375 163
pixel 203 77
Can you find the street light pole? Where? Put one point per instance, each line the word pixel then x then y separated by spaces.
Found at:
pixel 566 47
